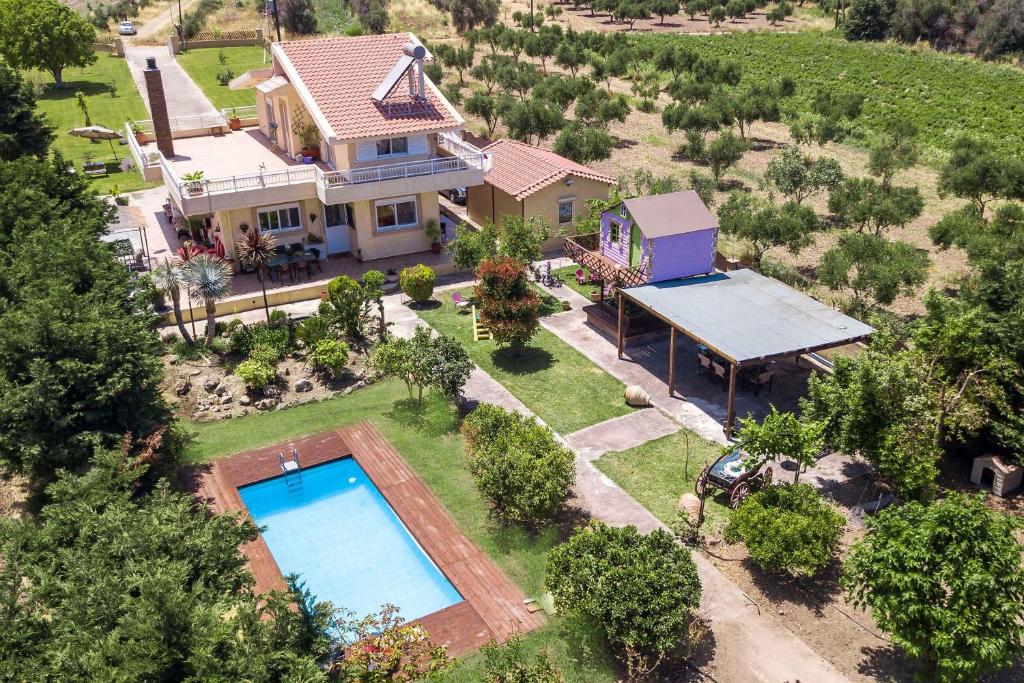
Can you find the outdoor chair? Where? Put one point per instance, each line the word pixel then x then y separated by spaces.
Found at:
pixel 764 381
pixel 460 303
pixel 705 364
pixel 581 277
pixel 316 253
pixel 719 370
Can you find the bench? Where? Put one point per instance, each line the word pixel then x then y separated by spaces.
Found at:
pixel 94 168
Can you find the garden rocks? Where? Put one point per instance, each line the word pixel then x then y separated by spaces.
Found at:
pixel 245 400
pixel 271 392
pixel 220 390
pixel 173 360
pixel 182 387
pixel 303 385
pixel 299 344
pixel 226 399
pixel 210 384
pixel 265 404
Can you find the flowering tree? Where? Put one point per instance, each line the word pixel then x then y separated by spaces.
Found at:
pixel 386 648
pixel 508 307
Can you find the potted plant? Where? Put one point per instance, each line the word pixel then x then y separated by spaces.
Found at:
pixel 119 199
pixel 234 122
pixel 193 182
pixel 433 230
pixel 391 275
pixel 140 135
pixel 309 136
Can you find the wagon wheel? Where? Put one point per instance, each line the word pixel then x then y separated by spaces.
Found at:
pixel 738 494
pixel 766 478
pixel 701 485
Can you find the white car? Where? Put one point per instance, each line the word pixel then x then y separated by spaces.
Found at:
pixel 126 28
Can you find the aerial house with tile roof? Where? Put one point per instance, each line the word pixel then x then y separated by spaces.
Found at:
pixel 343 151
pixel 529 181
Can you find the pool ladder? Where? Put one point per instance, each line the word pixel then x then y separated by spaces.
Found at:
pixel 290 468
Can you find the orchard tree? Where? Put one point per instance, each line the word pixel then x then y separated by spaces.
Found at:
pixel 468 14
pixel 486 107
pixel 829 118
pixel 46 35
pixel 787 528
pixel 23 130
pixel 945 581
pixel 798 177
pixel 571 54
pixel 584 144
pixel 894 151
pixel 723 152
pixel 875 270
pixel 781 435
pixel 664 8
pixel 631 10
pixel 531 119
pixel 975 171
pixel 764 225
pixel 870 207
pixel 641 591
pixel 716 15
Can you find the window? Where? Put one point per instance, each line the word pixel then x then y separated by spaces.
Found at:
pixel 565 210
pixel 622 209
pixel 613 231
pixel 334 215
pixel 392 147
pixel 396 214
pixel 279 218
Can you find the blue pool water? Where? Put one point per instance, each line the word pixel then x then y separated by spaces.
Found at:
pixel 338 533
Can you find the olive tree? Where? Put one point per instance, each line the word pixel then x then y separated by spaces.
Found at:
pixel 46 35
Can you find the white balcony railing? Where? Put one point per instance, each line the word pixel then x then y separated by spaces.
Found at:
pixel 245 112
pixel 409 169
pixel 194 122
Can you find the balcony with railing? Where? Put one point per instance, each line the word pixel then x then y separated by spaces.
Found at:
pixel 269 176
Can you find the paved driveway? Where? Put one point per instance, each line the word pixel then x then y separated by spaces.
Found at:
pixel 184 98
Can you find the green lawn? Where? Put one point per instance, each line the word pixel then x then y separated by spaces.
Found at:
pixel 555 381
pixel 203 65
pixel 655 474
pixel 428 439
pixel 567 275
pixel 62 109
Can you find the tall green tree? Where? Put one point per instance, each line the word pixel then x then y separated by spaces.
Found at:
pixel 23 130
pixel 765 226
pixel 945 581
pixel 797 176
pixel 977 172
pixel 873 269
pixel 584 144
pixel 781 435
pixel 209 279
pixel 78 354
pixel 46 35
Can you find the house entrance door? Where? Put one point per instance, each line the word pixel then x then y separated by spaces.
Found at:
pixel 635 243
pixel 336 221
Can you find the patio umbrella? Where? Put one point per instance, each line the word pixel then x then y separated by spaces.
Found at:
pixel 98 133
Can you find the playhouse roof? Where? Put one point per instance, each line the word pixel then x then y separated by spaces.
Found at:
pixel 745 316
pixel 670 214
pixel 520 169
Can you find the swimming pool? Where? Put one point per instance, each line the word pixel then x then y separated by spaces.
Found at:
pixel 338 533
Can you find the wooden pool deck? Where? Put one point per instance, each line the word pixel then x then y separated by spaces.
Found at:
pixel 492 607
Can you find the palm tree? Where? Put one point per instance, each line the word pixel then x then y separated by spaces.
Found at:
pixel 168 279
pixel 209 278
pixel 257 249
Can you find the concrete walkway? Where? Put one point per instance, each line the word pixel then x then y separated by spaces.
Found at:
pixel 184 98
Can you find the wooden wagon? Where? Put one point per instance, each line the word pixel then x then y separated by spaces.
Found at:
pixel 735 472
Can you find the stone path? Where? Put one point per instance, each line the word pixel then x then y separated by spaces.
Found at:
pixel 184 98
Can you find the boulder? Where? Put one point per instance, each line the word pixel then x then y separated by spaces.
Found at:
pixel 265 404
pixel 299 344
pixel 271 392
pixel 220 390
pixel 226 399
pixel 173 360
pixel 210 384
pixel 303 385
pixel 182 387
pixel 244 400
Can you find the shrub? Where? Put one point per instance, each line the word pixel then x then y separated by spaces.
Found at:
pixel 345 305
pixel 425 361
pixel 255 373
pixel 787 528
pixel 417 282
pixel 264 353
pixel 507 304
pixel 640 590
pixel 313 329
pixel 510 663
pixel 330 356
pixel 518 465
pixel 247 337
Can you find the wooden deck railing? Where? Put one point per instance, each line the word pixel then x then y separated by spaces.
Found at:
pixel 584 250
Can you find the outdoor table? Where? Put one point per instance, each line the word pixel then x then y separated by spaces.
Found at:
pixel 293 261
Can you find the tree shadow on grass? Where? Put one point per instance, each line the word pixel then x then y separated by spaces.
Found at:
pixel 425 306
pixel 812 593
pixel 89 88
pixel 412 413
pixel 526 362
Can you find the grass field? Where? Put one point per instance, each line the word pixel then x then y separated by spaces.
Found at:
pixel 554 380
pixel 656 474
pixel 203 65
pixel 945 95
pixel 427 436
pixel 62 110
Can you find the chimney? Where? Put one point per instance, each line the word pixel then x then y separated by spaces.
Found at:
pixel 417 89
pixel 158 108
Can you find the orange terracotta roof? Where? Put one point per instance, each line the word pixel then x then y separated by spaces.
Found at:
pixel 520 169
pixel 341 73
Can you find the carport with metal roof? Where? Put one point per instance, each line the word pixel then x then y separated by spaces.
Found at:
pixel 743 317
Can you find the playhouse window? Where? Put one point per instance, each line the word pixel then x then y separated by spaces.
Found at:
pixel 613 232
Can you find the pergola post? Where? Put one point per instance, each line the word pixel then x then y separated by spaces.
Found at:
pixel 618 341
pixel 730 412
pixel 672 362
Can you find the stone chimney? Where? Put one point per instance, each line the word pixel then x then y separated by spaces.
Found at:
pixel 158 108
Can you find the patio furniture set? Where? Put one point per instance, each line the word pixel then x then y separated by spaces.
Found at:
pixel 290 260
pixel 757 378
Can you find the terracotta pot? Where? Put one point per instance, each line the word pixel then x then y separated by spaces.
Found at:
pixel 436 247
pixel 596 297
pixel 140 138
pixel 235 123
pixel 311 152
